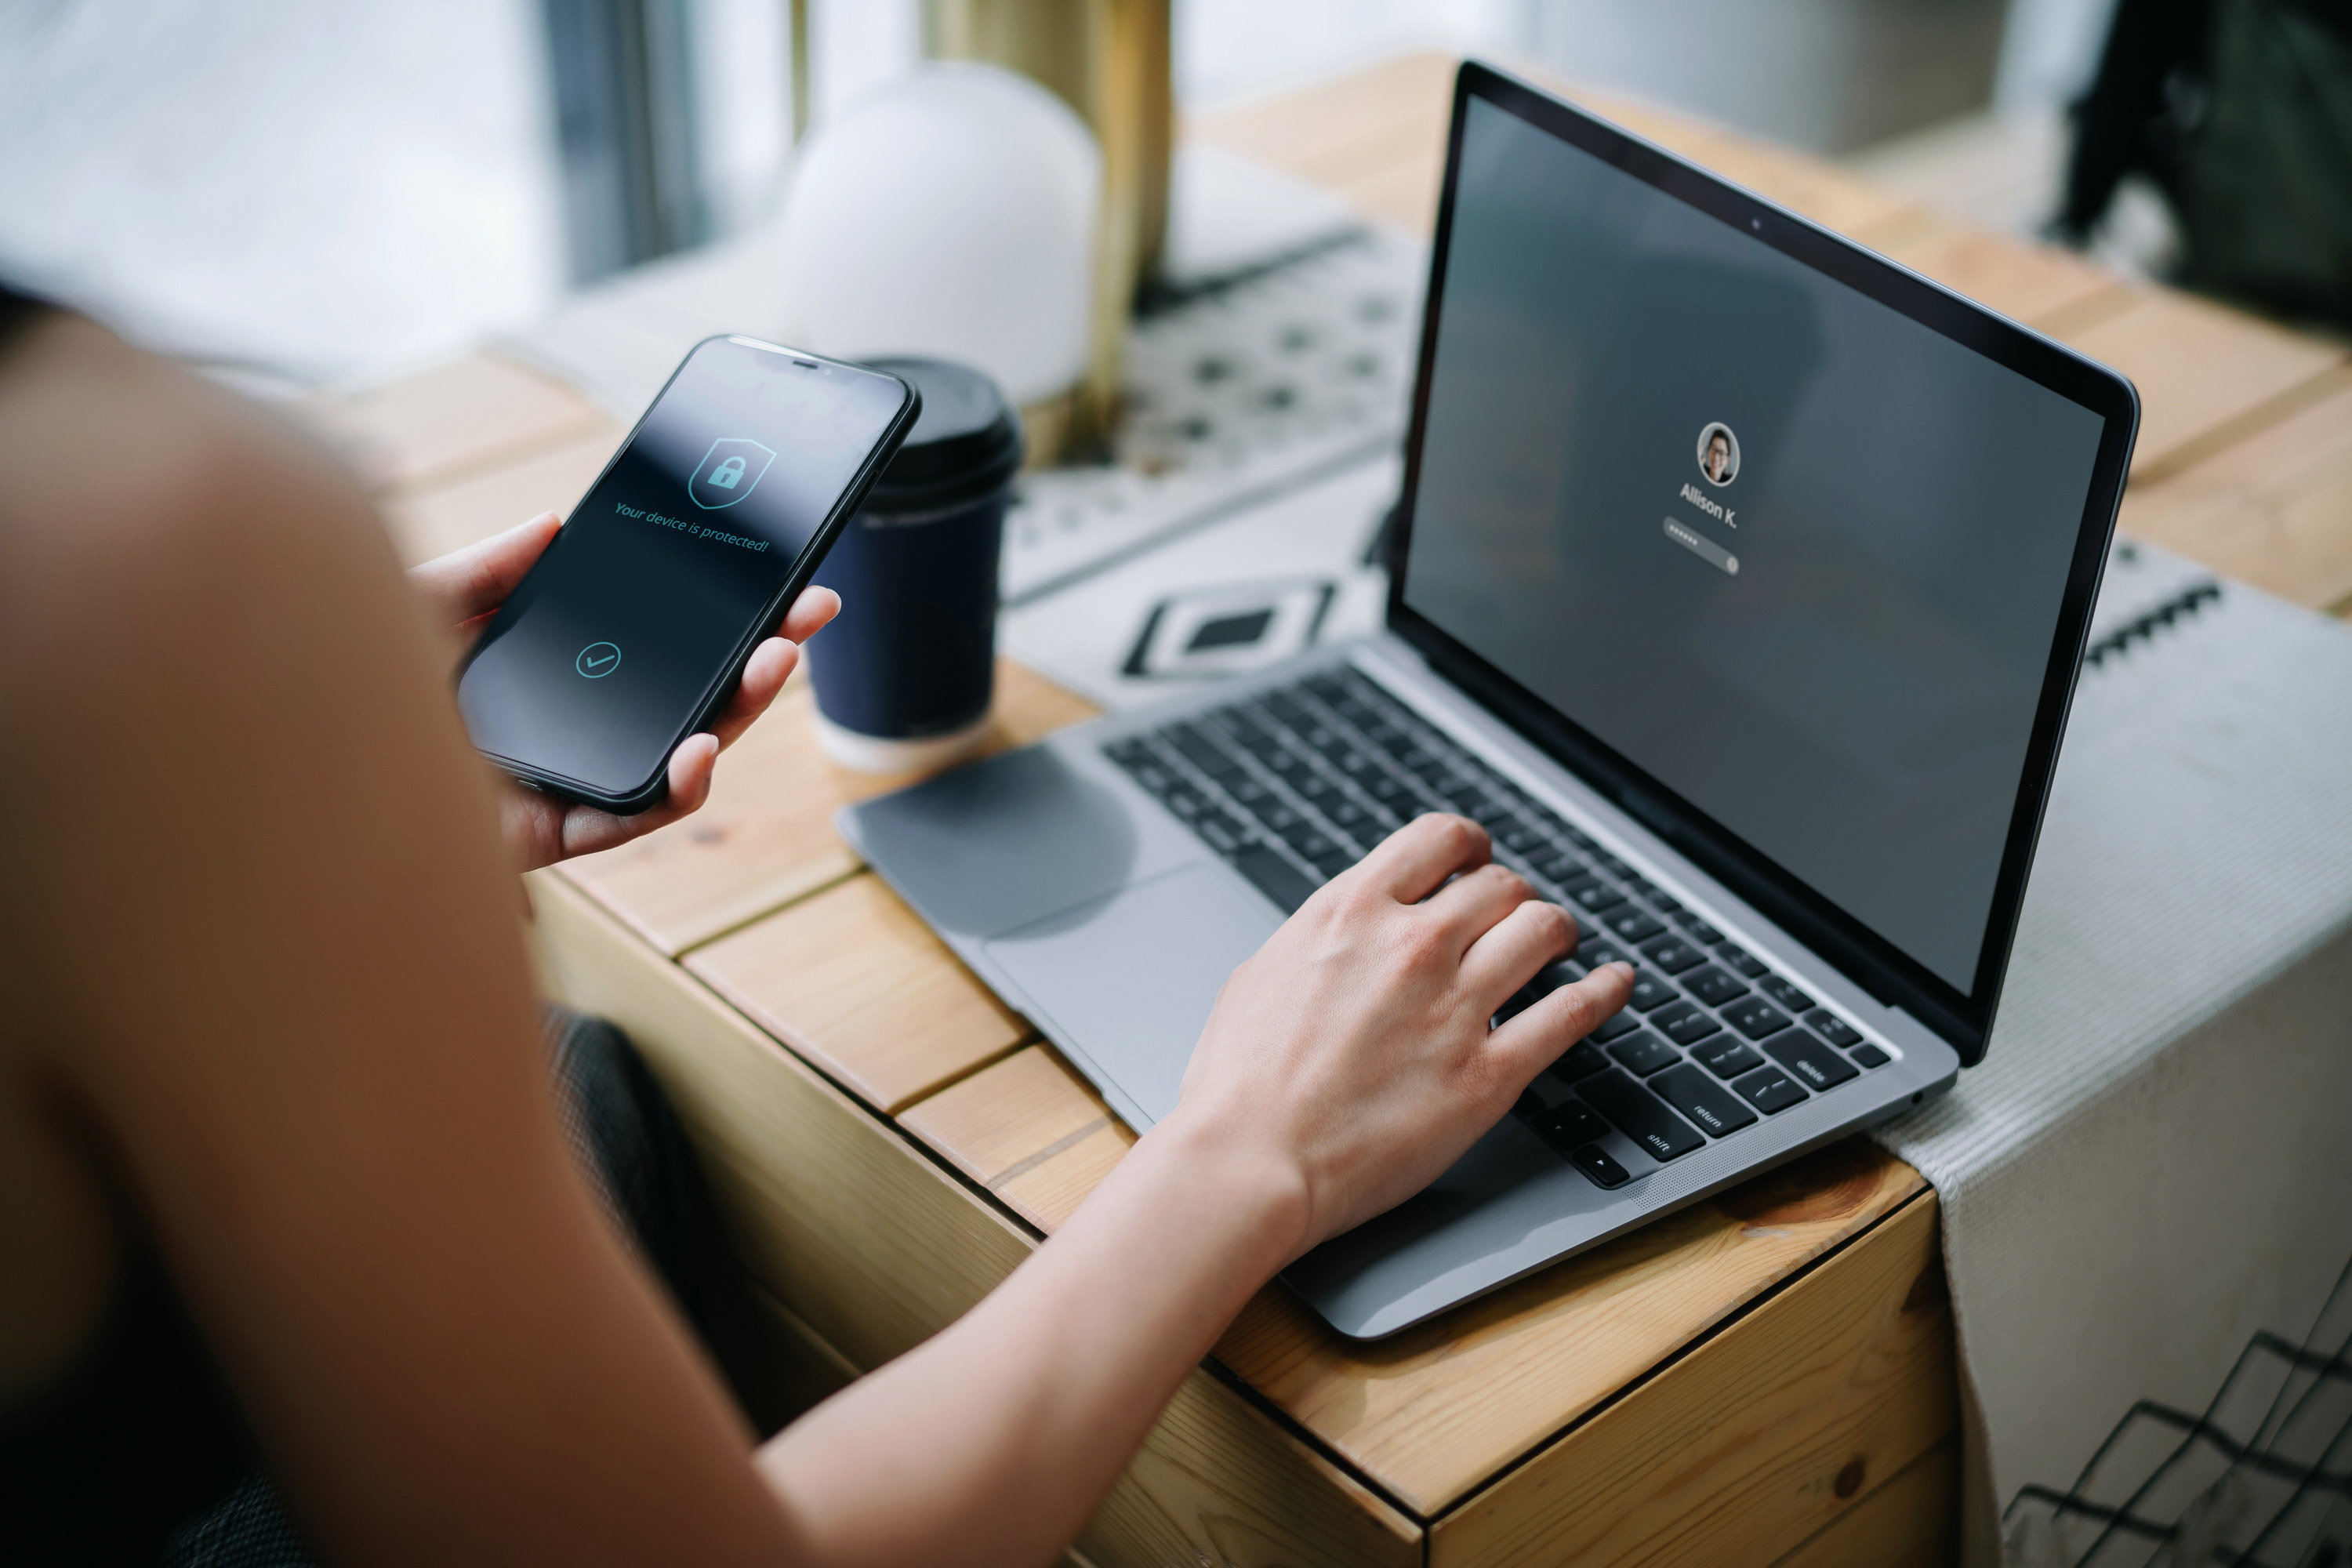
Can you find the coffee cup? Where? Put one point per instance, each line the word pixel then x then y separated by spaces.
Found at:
pixel 904 676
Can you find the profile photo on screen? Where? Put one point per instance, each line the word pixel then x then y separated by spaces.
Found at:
pixel 1718 454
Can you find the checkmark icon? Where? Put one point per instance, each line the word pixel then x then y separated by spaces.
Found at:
pixel 597 661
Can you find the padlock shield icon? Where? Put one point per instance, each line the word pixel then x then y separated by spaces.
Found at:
pixel 728 472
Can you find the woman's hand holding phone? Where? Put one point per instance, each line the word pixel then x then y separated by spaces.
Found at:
pixel 463 589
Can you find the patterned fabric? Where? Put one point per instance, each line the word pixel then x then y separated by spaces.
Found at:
pixel 247 1529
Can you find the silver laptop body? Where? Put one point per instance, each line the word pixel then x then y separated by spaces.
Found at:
pixel 1106 881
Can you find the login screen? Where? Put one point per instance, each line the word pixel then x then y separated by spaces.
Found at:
pixel 1794 554
pixel 595 667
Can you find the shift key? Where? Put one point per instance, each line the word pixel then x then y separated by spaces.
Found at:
pixel 1640 1116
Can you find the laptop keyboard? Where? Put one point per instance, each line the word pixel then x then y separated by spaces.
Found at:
pixel 1294 784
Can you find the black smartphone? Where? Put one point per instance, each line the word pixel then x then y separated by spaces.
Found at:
pixel 627 635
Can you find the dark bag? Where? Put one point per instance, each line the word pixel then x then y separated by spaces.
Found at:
pixel 2241 111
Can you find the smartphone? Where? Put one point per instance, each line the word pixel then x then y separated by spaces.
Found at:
pixel 627 635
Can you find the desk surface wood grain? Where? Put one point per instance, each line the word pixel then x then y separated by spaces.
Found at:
pixel 468 415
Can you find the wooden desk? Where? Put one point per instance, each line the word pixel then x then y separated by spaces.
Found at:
pixel 1765 1378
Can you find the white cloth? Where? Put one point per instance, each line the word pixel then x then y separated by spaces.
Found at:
pixel 2153 1160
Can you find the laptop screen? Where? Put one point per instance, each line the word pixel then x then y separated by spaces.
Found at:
pixel 1794 556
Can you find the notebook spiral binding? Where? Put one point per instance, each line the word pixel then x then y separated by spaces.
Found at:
pixel 2187 601
pixel 2172 1490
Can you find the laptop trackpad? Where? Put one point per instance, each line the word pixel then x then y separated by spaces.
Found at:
pixel 1127 981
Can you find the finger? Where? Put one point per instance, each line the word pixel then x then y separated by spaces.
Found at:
pixel 1470 905
pixel 587 830
pixel 1412 862
pixel 764 674
pixel 1534 1039
pixel 810 613
pixel 1532 935
pixel 690 771
pixel 472 582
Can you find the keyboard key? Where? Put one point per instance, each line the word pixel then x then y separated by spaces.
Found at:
pixel 1869 1056
pixel 1756 1017
pixel 1673 955
pixel 1332 862
pixel 1311 842
pixel 1196 748
pixel 1683 1024
pixel 1624 1023
pixel 1127 752
pixel 1645 1053
pixel 1594 954
pixel 1519 838
pixel 1221 832
pixel 1274 877
pixel 1291 769
pixel 1618 868
pixel 1595 1163
pixel 1559 865
pixel 1318 790
pixel 1640 1116
pixel 1836 1031
pixel 1713 987
pixel 1237 722
pixel 1770 1090
pixel 1633 924
pixel 1580 1060
pixel 1597 896
pixel 1662 903
pixel 1581 840
pixel 1742 961
pixel 1250 791
pixel 1788 995
pixel 1542 817
pixel 1552 977
pixel 1281 818
pixel 1649 991
pixel 1289 709
pixel 1702 1100
pixel 1356 820
pixel 1812 1063
pixel 1727 1056
pixel 1185 803
pixel 1570 1124
pixel 1700 931
pixel 1466 797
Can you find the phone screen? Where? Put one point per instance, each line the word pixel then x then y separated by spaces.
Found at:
pixel 623 634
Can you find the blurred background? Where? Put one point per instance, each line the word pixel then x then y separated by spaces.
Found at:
pixel 302 194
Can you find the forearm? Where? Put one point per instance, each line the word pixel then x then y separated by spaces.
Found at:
pixel 991 1442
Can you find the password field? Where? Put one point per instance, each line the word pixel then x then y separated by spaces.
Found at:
pixel 1706 549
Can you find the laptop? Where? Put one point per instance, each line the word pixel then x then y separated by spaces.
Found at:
pixel 1739 581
